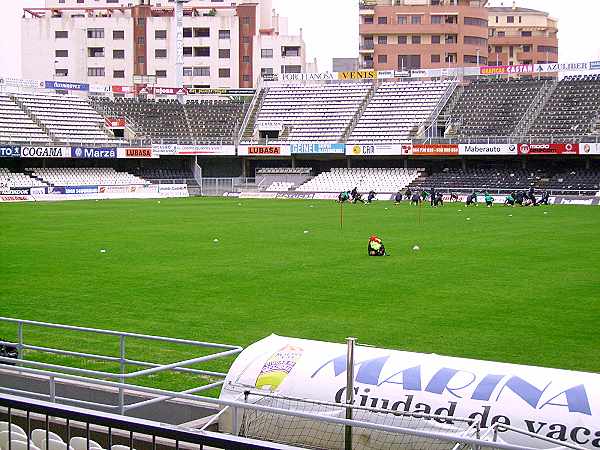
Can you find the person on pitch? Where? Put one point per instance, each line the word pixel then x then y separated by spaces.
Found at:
pixel 519 198
pixel 371 196
pixel 471 199
pixel 354 193
pixel 439 200
pixel 453 197
pixel 398 198
pixel 415 199
pixel 376 247
pixel 408 194
pixel 433 195
pixel 509 200
pixel 489 200
pixel 544 200
pixel 343 197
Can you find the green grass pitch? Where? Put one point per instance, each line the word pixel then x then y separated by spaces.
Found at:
pixel 523 288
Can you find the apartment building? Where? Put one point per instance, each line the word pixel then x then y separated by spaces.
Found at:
pixel 226 44
pixel 432 34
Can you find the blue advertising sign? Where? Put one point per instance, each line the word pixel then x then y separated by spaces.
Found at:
pixel 10 151
pixel 595 65
pixel 93 152
pixel 81 189
pixel 66 86
pixel 318 147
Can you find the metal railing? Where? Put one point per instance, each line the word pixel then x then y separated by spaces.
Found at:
pixel 507 139
pixel 148 368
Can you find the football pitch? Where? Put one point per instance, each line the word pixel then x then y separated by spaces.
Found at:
pixel 519 285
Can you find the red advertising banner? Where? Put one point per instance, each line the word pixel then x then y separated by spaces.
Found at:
pixel 548 149
pixel 114 122
pixel 435 149
pixel 156 90
pixel 123 89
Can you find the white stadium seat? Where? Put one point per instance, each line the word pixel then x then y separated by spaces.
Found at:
pixel 80 443
pixel 365 179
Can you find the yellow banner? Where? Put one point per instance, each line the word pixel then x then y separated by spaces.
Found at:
pixel 365 74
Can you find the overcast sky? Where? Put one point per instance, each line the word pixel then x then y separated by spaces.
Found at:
pixel 330 28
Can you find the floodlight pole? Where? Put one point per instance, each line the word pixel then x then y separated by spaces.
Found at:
pixel 350 343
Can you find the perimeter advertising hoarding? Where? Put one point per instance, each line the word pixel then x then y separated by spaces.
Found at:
pixel 548 149
pixel 136 152
pixel 317 147
pixel 434 150
pixel 373 149
pixel 589 149
pixel 206 150
pixel 264 150
pixel 45 152
pixel 559 404
pixel 487 149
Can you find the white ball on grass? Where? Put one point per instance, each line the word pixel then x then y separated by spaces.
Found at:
pixel 545 212
pixel 460 210
pixel 416 248
pixel 159 201
pixel 386 209
pixel 510 215
pixel 305 231
pixel 215 240
pixel 102 250
pixel 468 218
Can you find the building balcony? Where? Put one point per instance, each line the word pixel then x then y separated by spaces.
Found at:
pixel 367 47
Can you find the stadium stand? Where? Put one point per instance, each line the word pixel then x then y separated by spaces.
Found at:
pixel 396 111
pixel 319 112
pixel 82 176
pixel 572 109
pixel 66 118
pixel 507 180
pixel 492 107
pixel 16 126
pixel 162 174
pixel 196 121
pixel 280 179
pixel 365 179
pixel 17 179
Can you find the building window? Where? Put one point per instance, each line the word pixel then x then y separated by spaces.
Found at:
pixel 95 33
pixel 161 74
pixel 510 19
pixel 451 39
pixel 409 62
pixel 511 51
pixel 160 53
pixel 402 39
pixel 382 59
pixel 96 52
pixel 201 51
pixel 526 48
pixel 470 59
pixel 547 49
pixel 526 33
pixel 496 19
pixel 501 33
pixel 474 40
pixel 402 20
pixel 520 19
pixel 201 71
pixel 61 72
pixel 224 34
pixel 474 21
pixel 187 51
pixel 95 71
pixel 416 39
pixel 436 39
pixel 245 77
pixel 201 32
pixel 160 34
pixel 118 54
pixel 415 20
pixel 141 40
pixel 266 71
pixel 382 40
pixel 382 20
pixel 187 33
pixel 451 58
pixel 291 69
pixel 246 59
pixel 118 35
pixel 61 53
pixel 140 21
pixel 436 19
pixel 245 39
pixel 61 35
pixel 224 53
pixel 368 20
pixel 118 74
pixel 224 73
pixel 497 49
pixel 246 20
pixel 187 71
pixel 266 53
pixel 435 58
